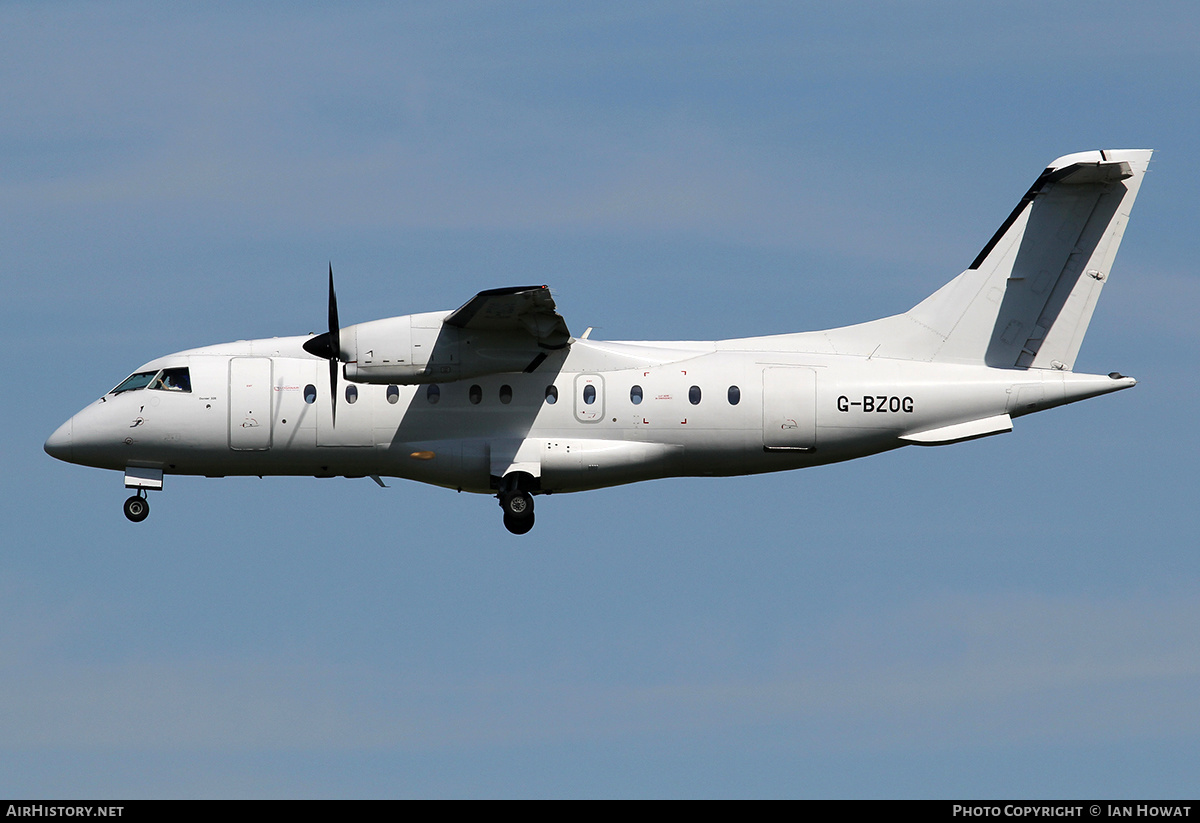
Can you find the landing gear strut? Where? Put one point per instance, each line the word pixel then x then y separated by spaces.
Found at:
pixel 518 511
pixel 137 508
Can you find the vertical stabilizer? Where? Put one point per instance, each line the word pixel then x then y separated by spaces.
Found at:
pixel 1027 299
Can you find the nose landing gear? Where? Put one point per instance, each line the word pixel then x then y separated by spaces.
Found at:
pixel 137 508
pixel 141 479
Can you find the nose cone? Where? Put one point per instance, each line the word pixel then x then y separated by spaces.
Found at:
pixel 59 443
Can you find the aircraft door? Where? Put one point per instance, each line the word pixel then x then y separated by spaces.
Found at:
pixel 589 398
pixel 789 409
pixel 250 403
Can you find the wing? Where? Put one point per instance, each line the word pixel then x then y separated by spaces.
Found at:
pixel 528 309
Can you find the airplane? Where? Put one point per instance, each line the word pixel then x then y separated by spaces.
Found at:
pixel 499 398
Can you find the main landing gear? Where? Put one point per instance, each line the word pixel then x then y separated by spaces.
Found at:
pixel 518 511
pixel 137 508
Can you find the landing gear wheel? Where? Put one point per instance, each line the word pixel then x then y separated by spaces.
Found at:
pixel 518 511
pixel 137 508
pixel 518 525
pixel 517 505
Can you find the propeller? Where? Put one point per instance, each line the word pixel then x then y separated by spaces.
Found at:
pixel 328 345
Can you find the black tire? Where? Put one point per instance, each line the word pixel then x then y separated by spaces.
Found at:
pixel 137 509
pixel 517 505
pixel 519 525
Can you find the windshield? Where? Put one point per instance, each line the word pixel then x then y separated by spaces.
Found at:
pixel 166 380
pixel 135 381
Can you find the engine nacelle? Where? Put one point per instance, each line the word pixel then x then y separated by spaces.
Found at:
pixel 420 348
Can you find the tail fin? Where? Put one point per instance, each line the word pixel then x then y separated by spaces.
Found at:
pixel 1027 299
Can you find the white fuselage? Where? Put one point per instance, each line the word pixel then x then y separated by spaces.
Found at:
pixel 498 396
pixel 592 415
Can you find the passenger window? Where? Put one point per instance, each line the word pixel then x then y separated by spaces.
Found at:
pixel 173 380
pixel 735 395
pixel 635 395
pixel 310 394
pixel 351 394
pixel 506 394
pixel 475 395
pixel 552 395
pixel 393 394
pixel 589 394
pixel 433 393
pixel 694 395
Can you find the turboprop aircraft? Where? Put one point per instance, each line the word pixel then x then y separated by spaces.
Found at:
pixel 498 397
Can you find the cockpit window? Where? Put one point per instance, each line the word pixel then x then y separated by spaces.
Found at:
pixel 135 381
pixel 173 380
pixel 166 380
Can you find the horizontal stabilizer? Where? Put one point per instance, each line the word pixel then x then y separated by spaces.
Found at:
pixel 959 432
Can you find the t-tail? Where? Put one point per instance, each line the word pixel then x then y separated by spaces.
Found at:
pixel 1026 300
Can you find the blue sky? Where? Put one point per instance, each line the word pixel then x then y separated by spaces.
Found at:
pixel 1012 617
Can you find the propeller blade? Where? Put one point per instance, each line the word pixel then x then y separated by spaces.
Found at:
pixel 328 345
pixel 333 367
pixel 334 327
pixel 335 345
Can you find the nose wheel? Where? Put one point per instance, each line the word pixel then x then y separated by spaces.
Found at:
pixel 137 508
pixel 518 511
